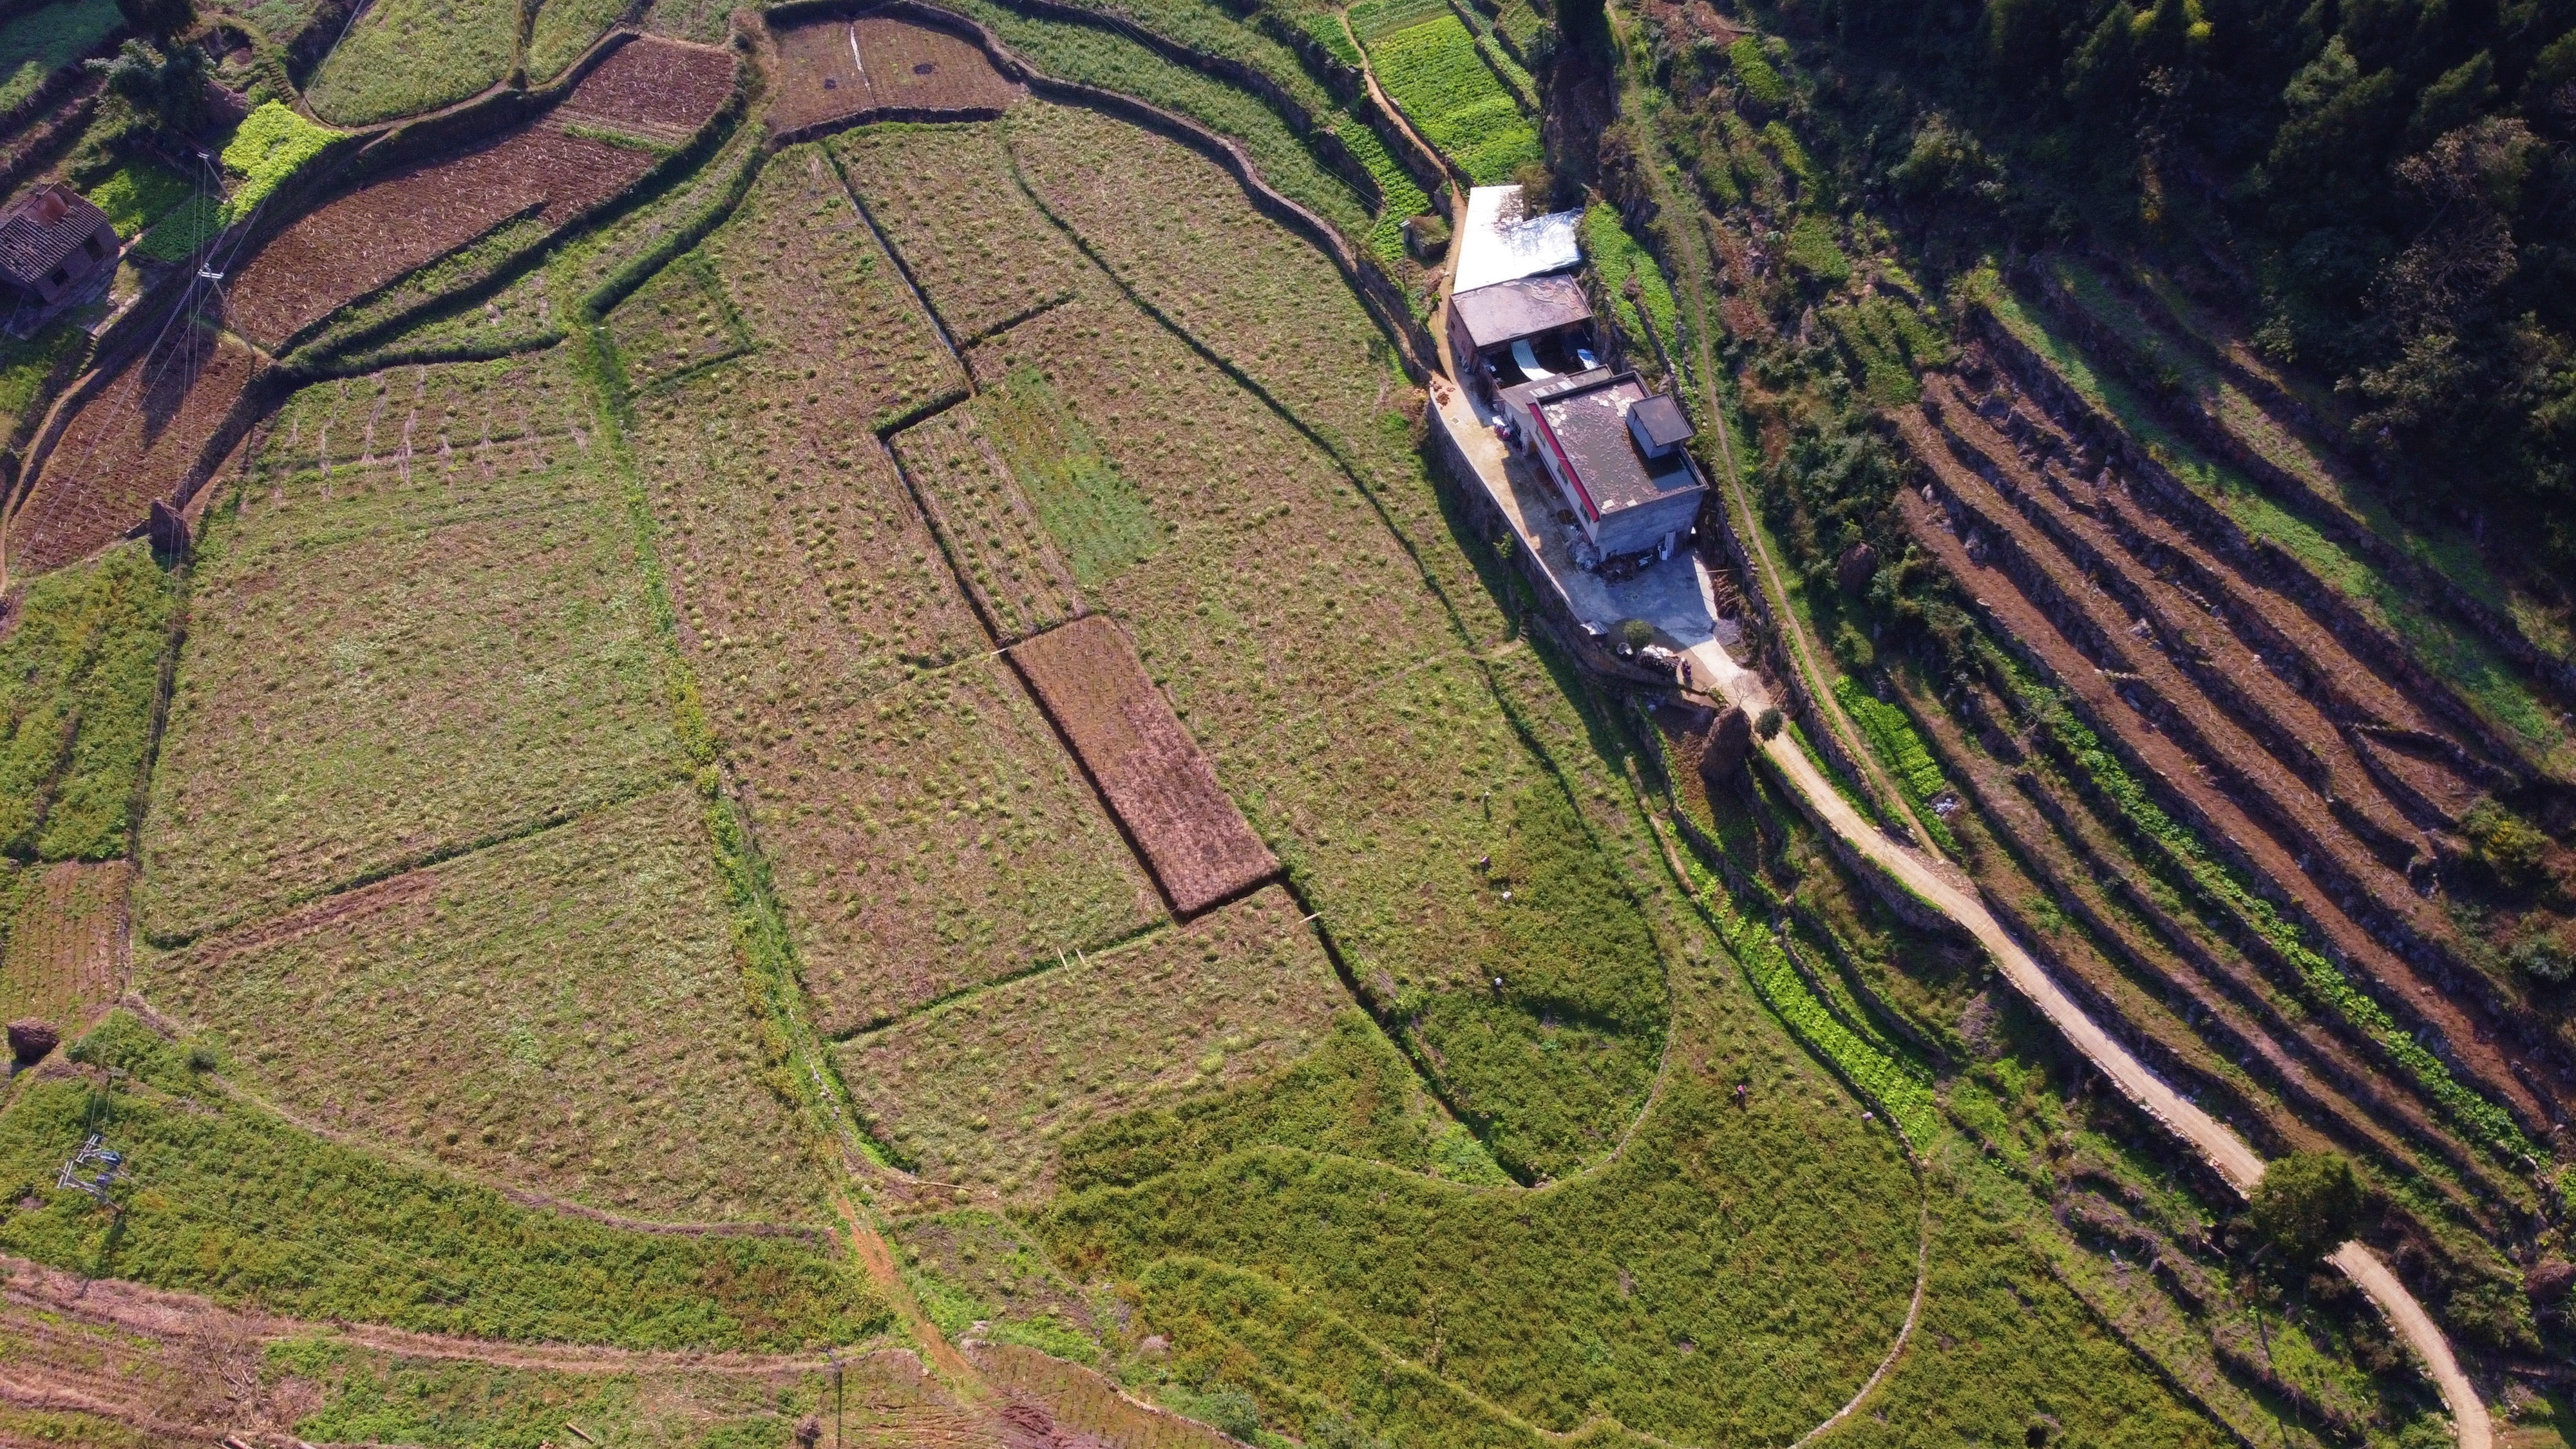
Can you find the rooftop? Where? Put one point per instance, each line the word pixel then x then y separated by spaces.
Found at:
pixel 1587 417
pixel 1498 242
pixel 1524 307
pixel 44 226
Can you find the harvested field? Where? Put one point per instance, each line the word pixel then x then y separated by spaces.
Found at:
pixel 2211 679
pixel 925 829
pixel 560 1012
pixel 1020 581
pixel 349 247
pixel 675 323
pixel 832 71
pixel 144 435
pixel 943 195
pixel 979 1089
pixel 442 644
pixel 1298 642
pixel 1163 789
pixel 63 941
pixel 658 89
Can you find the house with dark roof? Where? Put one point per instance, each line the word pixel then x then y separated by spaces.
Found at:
pixel 1617 453
pixel 51 241
pixel 1526 330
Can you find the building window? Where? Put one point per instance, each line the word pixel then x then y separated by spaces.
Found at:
pixel 91 246
pixel 60 276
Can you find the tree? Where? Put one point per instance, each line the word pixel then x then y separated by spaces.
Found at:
pixel 158 19
pixel 165 91
pixel 2306 1205
pixel 1768 724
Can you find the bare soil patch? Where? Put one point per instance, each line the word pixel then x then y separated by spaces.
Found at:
pixel 351 246
pixel 978 1090
pixel 64 941
pixel 655 88
pixel 1163 789
pixel 841 70
pixel 140 437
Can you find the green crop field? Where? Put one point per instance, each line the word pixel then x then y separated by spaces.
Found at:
pixel 564 29
pixel 409 56
pixel 1441 80
pixel 78 676
pixel 37 41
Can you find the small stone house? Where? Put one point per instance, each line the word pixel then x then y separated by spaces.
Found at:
pixel 51 241
pixel 1618 455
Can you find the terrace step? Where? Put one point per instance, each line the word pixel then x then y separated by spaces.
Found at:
pixel 2057 629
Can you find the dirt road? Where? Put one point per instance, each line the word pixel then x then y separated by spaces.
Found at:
pixel 1941 885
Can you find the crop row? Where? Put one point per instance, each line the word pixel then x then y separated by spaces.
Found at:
pixel 944 198
pixel 1901 752
pixel 1000 546
pixel 1438 76
pixel 62 940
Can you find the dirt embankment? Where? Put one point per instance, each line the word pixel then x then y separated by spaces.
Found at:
pixel 2286 750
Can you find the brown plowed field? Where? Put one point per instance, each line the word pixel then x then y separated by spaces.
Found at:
pixel 351 246
pixel 65 946
pixel 654 88
pixel 2008 572
pixel 841 70
pixel 1163 788
pixel 138 438
pixel 2219 995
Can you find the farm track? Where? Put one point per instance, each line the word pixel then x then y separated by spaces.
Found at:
pixel 2123 668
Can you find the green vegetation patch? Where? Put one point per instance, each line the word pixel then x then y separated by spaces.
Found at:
pixel 1354 1095
pixel 977 1089
pixel 139 193
pixel 1439 78
pixel 409 56
pixel 977 1272
pixel 41 41
pixel 27 364
pixel 564 29
pixel 271 145
pixel 1096 516
pixel 79 677
pixel 224 1198
pixel 1811 252
pixel 561 1011
pixel 1900 749
pixel 1743 1264
pixel 1623 265
pixel 437 643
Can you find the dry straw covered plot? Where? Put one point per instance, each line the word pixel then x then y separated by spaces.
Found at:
pixel 561 1012
pixel 675 323
pixel 1164 790
pixel 141 436
pixel 62 941
pixel 944 197
pixel 925 830
pixel 979 1089
pixel 438 644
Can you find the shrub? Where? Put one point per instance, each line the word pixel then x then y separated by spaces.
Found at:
pixel 1812 252
pixel 1767 724
pixel 1762 85
pixel 2306 1204
pixel 2546 960
pixel 2510 849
